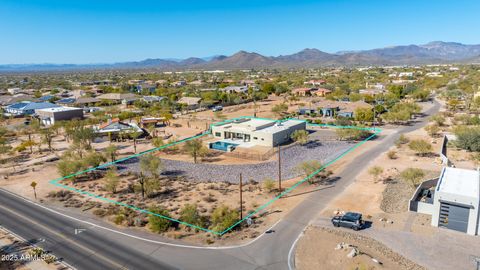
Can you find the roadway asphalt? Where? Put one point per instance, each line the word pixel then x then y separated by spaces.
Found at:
pixel 97 248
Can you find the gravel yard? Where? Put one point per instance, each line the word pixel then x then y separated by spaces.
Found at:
pixel 290 157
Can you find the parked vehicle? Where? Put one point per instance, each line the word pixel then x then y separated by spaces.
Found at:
pixel 217 108
pixel 349 220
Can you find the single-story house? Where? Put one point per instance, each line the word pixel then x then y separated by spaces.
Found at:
pixel 192 103
pixel 86 101
pixel 453 200
pixel 115 127
pixel 48 116
pixel 8 100
pixel 330 108
pixel 302 91
pixel 321 92
pixel 315 82
pixel 235 89
pixel 65 101
pixel 27 107
pixel 262 132
pixel 151 99
pixel 118 97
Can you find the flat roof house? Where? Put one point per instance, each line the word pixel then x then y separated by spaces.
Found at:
pixel 453 200
pixel 263 132
pixel 48 116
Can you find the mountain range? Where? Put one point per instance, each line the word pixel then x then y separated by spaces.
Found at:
pixel 436 52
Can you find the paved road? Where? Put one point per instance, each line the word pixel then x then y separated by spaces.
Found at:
pixel 97 248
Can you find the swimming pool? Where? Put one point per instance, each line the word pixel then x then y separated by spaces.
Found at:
pixel 223 146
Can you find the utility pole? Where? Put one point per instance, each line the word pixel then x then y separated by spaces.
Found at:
pixel 279 170
pixel 241 199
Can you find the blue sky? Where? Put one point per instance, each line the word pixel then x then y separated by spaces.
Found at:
pixel 100 31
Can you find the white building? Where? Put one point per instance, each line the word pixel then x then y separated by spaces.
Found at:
pixel 48 116
pixel 263 132
pixel 453 200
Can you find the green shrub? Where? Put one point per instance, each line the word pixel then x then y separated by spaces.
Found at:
pixel 158 224
pixel 421 147
pixel 223 218
pixel 269 184
pixel 468 138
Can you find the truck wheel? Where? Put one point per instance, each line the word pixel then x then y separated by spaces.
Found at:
pixel 355 228
pixel 336 224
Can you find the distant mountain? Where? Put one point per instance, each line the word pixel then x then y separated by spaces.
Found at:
pixel 430 53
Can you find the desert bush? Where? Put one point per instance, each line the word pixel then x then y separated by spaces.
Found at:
pixel 412 176
pixel 158 224
pixel 223 218
pixel 269 184
pixel 468 138
pixel 190 214
pixel 402 140
pixel 438 119
pixel 352 134
pixel 421 147
pixel 432 130
pixel 300 136
pixel 375 171
pixel 392 154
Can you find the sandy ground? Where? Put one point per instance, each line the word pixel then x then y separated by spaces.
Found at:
pixel 316 250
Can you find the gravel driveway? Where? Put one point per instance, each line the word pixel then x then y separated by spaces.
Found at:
pixel 291 157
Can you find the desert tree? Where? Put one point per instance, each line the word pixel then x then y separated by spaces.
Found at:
pixel 195 148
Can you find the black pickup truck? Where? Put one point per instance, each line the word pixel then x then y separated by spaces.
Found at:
pixel 349 220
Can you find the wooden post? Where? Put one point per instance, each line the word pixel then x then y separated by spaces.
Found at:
pixel 279 170
pixel 241 199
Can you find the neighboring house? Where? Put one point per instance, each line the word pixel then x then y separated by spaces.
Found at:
pixel 453 200
pixel 46 98
pixel 302 91
pixel 115 127
pixel 192 103
pixel 66 101
pixel 14 91
pixel 152 99
pixel 118 97
pixel 254 131
pixel 27 107
pixel 49 116
pixel 371 91
pixel 8 100
pixel 86 101
pixel 235 89
pixel 179 83
pixel 321 92
pixel 379 86
pixel 330 108
pixel 314 82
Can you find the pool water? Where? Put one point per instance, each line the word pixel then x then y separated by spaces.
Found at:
pixel 222 146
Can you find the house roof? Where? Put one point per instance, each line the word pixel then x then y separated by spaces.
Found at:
pixel 461 182
pixel 190 100
pixel 85 100
pixel 302 89
pixel 117 96
pixel 32 105
pixel 66 101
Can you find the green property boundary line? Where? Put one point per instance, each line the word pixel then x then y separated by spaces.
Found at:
pixel 219 233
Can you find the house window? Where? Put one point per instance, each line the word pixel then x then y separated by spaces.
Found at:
pixel 218 134
pixel 262 139
pixel 255 138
